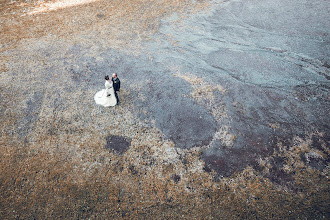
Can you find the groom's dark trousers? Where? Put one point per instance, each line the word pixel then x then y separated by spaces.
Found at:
pixel 116 87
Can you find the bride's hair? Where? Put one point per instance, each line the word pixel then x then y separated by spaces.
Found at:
pixel 106 77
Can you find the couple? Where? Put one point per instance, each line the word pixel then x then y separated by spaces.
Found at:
pixel 109 96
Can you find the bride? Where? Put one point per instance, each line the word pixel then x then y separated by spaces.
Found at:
pixel 106 97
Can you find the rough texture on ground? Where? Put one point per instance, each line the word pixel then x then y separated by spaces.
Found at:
pixel 224 109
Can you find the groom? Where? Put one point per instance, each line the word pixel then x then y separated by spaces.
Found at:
pixel 116 85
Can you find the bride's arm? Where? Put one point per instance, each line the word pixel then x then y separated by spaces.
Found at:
pixel 108 86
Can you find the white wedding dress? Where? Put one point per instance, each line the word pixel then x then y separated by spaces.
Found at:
pixel 102 97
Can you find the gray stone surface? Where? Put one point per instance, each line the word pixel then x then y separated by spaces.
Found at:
pixel 271 57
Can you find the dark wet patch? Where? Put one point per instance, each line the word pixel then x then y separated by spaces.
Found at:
pixel 183 121
pixel 225 162
pixel 118 144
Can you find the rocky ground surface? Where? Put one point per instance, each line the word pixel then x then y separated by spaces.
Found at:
pixel 224 109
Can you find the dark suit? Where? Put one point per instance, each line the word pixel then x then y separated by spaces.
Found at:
pixel 116 87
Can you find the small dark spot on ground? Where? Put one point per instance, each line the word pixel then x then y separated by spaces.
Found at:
pixel 133 170
pixel 100 15
pixel 123 214
pixel 118 144
pixel 185 161
pixel 176 178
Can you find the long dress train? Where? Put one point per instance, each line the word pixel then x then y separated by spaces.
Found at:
pixel 106 97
